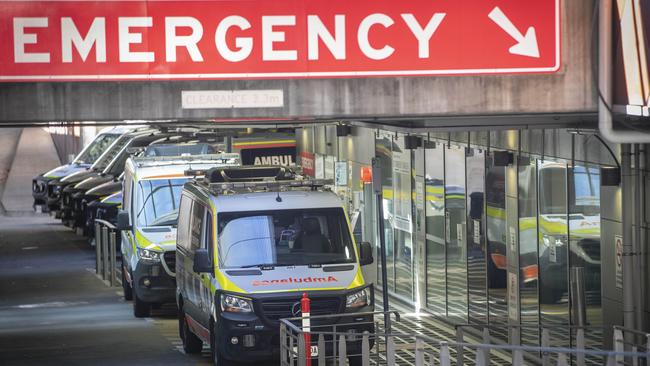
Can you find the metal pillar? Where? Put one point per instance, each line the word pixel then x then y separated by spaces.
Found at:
pixel 376 178
pixel 637 244
pixel 105 253
pixel 628 262
pixel 98 249
pixel 112 253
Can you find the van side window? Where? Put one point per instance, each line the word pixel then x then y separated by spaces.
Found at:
pixel 207 235
pixel 196 228
pixel 184 213
pixel 127 192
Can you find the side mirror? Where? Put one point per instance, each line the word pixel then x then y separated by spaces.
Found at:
pixel 202 262
pixel 365 254
pixel 123 221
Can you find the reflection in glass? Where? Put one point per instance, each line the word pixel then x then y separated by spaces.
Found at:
pixel 475 238
pixel 553 242
pixel 528 275
pixel 495 196
pixel 584 234
pixel 384 152
pixel 456 233
pixel 402 220
pixel 435 228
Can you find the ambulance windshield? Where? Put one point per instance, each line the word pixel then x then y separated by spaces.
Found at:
pixel 157 201
pixel 284 238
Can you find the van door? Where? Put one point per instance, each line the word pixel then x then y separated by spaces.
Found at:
pixel 193 279
pixel 205 279
pixel 183 253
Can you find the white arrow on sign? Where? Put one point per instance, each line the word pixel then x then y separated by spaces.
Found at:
pixel 526 45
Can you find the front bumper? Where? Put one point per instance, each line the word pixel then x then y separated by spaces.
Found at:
pixel 265 330
pixel 162 285
pixel 39 189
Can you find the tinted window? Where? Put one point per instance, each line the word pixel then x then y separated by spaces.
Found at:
pixel 196 226
pixel 96 148
pixel 183 222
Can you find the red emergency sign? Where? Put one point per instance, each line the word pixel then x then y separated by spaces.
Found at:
pixel 240 39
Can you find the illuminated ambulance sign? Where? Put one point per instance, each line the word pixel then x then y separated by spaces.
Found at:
pixel 111 40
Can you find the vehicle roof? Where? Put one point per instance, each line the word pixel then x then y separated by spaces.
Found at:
pixel 173 167
pixel 120 129
pixel 262 201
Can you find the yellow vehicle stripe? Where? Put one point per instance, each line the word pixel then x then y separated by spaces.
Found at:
pixel 263 142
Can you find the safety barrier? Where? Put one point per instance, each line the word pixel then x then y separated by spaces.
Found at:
pixel 573 335
pixel 326 345
pixel 632 340
pixel 390 348
pixel 106 241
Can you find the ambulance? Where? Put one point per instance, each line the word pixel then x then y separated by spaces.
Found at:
pixel 250 242
pixel 150 203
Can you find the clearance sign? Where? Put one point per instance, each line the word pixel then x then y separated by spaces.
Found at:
pixel 240 39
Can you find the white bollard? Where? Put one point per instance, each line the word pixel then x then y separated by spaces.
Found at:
pixel 561 360
pixel 390 351
pixel 343 353
pixel 546 341
pixel 580 344
pixel 517 358
pixel 619 345
pixel 445 358
pixel 419 352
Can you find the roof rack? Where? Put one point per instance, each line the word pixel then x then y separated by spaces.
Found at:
pixel 226 188
pixel 226 158
pixel 265 178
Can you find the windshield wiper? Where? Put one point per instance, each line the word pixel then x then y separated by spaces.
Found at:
pixel 261 265
pixel 336 261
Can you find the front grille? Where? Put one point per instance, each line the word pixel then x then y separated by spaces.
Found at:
pixel 170 260
pixel 275 310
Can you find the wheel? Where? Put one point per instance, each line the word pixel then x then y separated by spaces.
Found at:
pixel 191 343
pixel 355 361
pixel 141 309
pixel 126 287
pixel 217 358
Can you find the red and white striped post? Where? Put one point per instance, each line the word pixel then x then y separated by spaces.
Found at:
pixel 304 309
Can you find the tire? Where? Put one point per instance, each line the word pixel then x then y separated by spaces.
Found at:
pixel 191 343
pixel 217 358
pixel 126 287
pixel 141 308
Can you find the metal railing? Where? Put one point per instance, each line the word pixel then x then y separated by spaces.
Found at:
pixel 387 347
pixel 545 335
pixel 327 346
pixel 106 252
pixel 632 340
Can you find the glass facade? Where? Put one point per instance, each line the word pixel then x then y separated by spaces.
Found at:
pixel 487 225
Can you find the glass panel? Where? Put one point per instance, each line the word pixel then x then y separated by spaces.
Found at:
pixel 553 235
pixel 402 220
pixel 495 197
pixel 584 234
pixel 455 232
pixel 528 275
pixel 435 228
pixel 384 151
pixel 476 271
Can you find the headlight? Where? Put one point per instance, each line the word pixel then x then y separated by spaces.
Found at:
pixel 358 299
pixel 148 255
pixel 235 304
